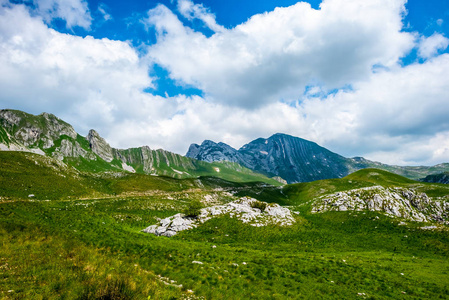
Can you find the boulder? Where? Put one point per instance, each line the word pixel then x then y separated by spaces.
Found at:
pixel 242 209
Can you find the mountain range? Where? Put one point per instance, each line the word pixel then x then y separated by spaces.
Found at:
pixel 278 159
pixel 48 135
pixel 81 219
pixel 297 160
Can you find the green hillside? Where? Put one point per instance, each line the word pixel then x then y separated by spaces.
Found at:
pixel 23 174
pixel 294 194
pixel 412 172
pixel 93 248
pixel 48 135
pixel 437 178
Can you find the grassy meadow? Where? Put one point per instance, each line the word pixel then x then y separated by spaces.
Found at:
pixel 88 244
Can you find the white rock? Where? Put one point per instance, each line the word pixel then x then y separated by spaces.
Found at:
pixel 241 208
pixel 396 202
pixel 169 233
pixel 150 229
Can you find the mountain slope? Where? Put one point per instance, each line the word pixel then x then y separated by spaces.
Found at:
pixel 291 158
pixel 48 135
pixel 297 160
pixel 437 178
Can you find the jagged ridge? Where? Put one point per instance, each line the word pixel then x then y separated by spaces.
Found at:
pixel 297 160
pixel 48 135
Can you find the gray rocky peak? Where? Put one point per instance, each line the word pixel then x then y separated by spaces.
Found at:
pixel 9 118
pixel 29 130
pixel 99 146
pixel 193 151
pixel 210 151
pixel 290 158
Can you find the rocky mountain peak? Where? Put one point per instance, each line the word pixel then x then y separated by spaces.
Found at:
pixel 99 146
pixel 210 151
pixel 291 158
pixel 193 151
pixel 30 130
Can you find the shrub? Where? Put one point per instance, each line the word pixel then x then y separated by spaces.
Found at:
pixel 260 205
pixel 193 209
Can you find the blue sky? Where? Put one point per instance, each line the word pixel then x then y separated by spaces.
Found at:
pixel 425 17
pixel 362 78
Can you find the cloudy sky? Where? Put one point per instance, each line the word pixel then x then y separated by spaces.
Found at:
pixel 362 78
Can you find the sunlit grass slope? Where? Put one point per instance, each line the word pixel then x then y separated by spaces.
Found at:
pixel 94 249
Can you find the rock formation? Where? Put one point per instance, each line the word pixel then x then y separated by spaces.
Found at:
pixel 396 202
pixel 99 146
pixel 248 210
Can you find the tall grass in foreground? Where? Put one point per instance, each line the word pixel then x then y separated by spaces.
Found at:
pixel 94 249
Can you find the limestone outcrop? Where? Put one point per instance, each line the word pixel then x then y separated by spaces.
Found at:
pixel 397 202
pixel 248 210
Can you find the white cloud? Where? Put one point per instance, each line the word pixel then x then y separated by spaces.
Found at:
pixel 102 9
pixel 74 12
pixel 430 46
pixel 389 114
pixel 45 70
pixel 277 54
pixel 191 11
pixel 396 115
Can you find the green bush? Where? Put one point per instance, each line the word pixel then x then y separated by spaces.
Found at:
pixel 260 205
pixel 193 209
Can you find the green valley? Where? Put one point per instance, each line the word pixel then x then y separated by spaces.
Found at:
pixel 80 237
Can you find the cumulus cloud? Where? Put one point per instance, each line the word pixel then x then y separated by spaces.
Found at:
pixel 191 11
pixel 398 116
pixel 276 55
pixel 44 68
pixel 270 74
pixel 74 12
pixel 391 112
pixel 430 46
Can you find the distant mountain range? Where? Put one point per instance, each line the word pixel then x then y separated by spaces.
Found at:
pixel 279 159
pixel 297 160
pixel 48 135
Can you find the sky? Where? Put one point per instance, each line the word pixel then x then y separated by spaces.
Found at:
pixel 361 78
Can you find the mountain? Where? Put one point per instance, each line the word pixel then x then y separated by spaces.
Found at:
pixel 437 178
pixel 297 160
pixel 46 134
pixel 71 234
pixel 291 158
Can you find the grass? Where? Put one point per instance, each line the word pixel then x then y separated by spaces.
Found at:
pixel 68 248
pixel 143 160
pixel 23 174
pixel 93 248
pixel 300 193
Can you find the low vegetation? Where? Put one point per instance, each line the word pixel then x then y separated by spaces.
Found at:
pixel 193 209
pixel 86 242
